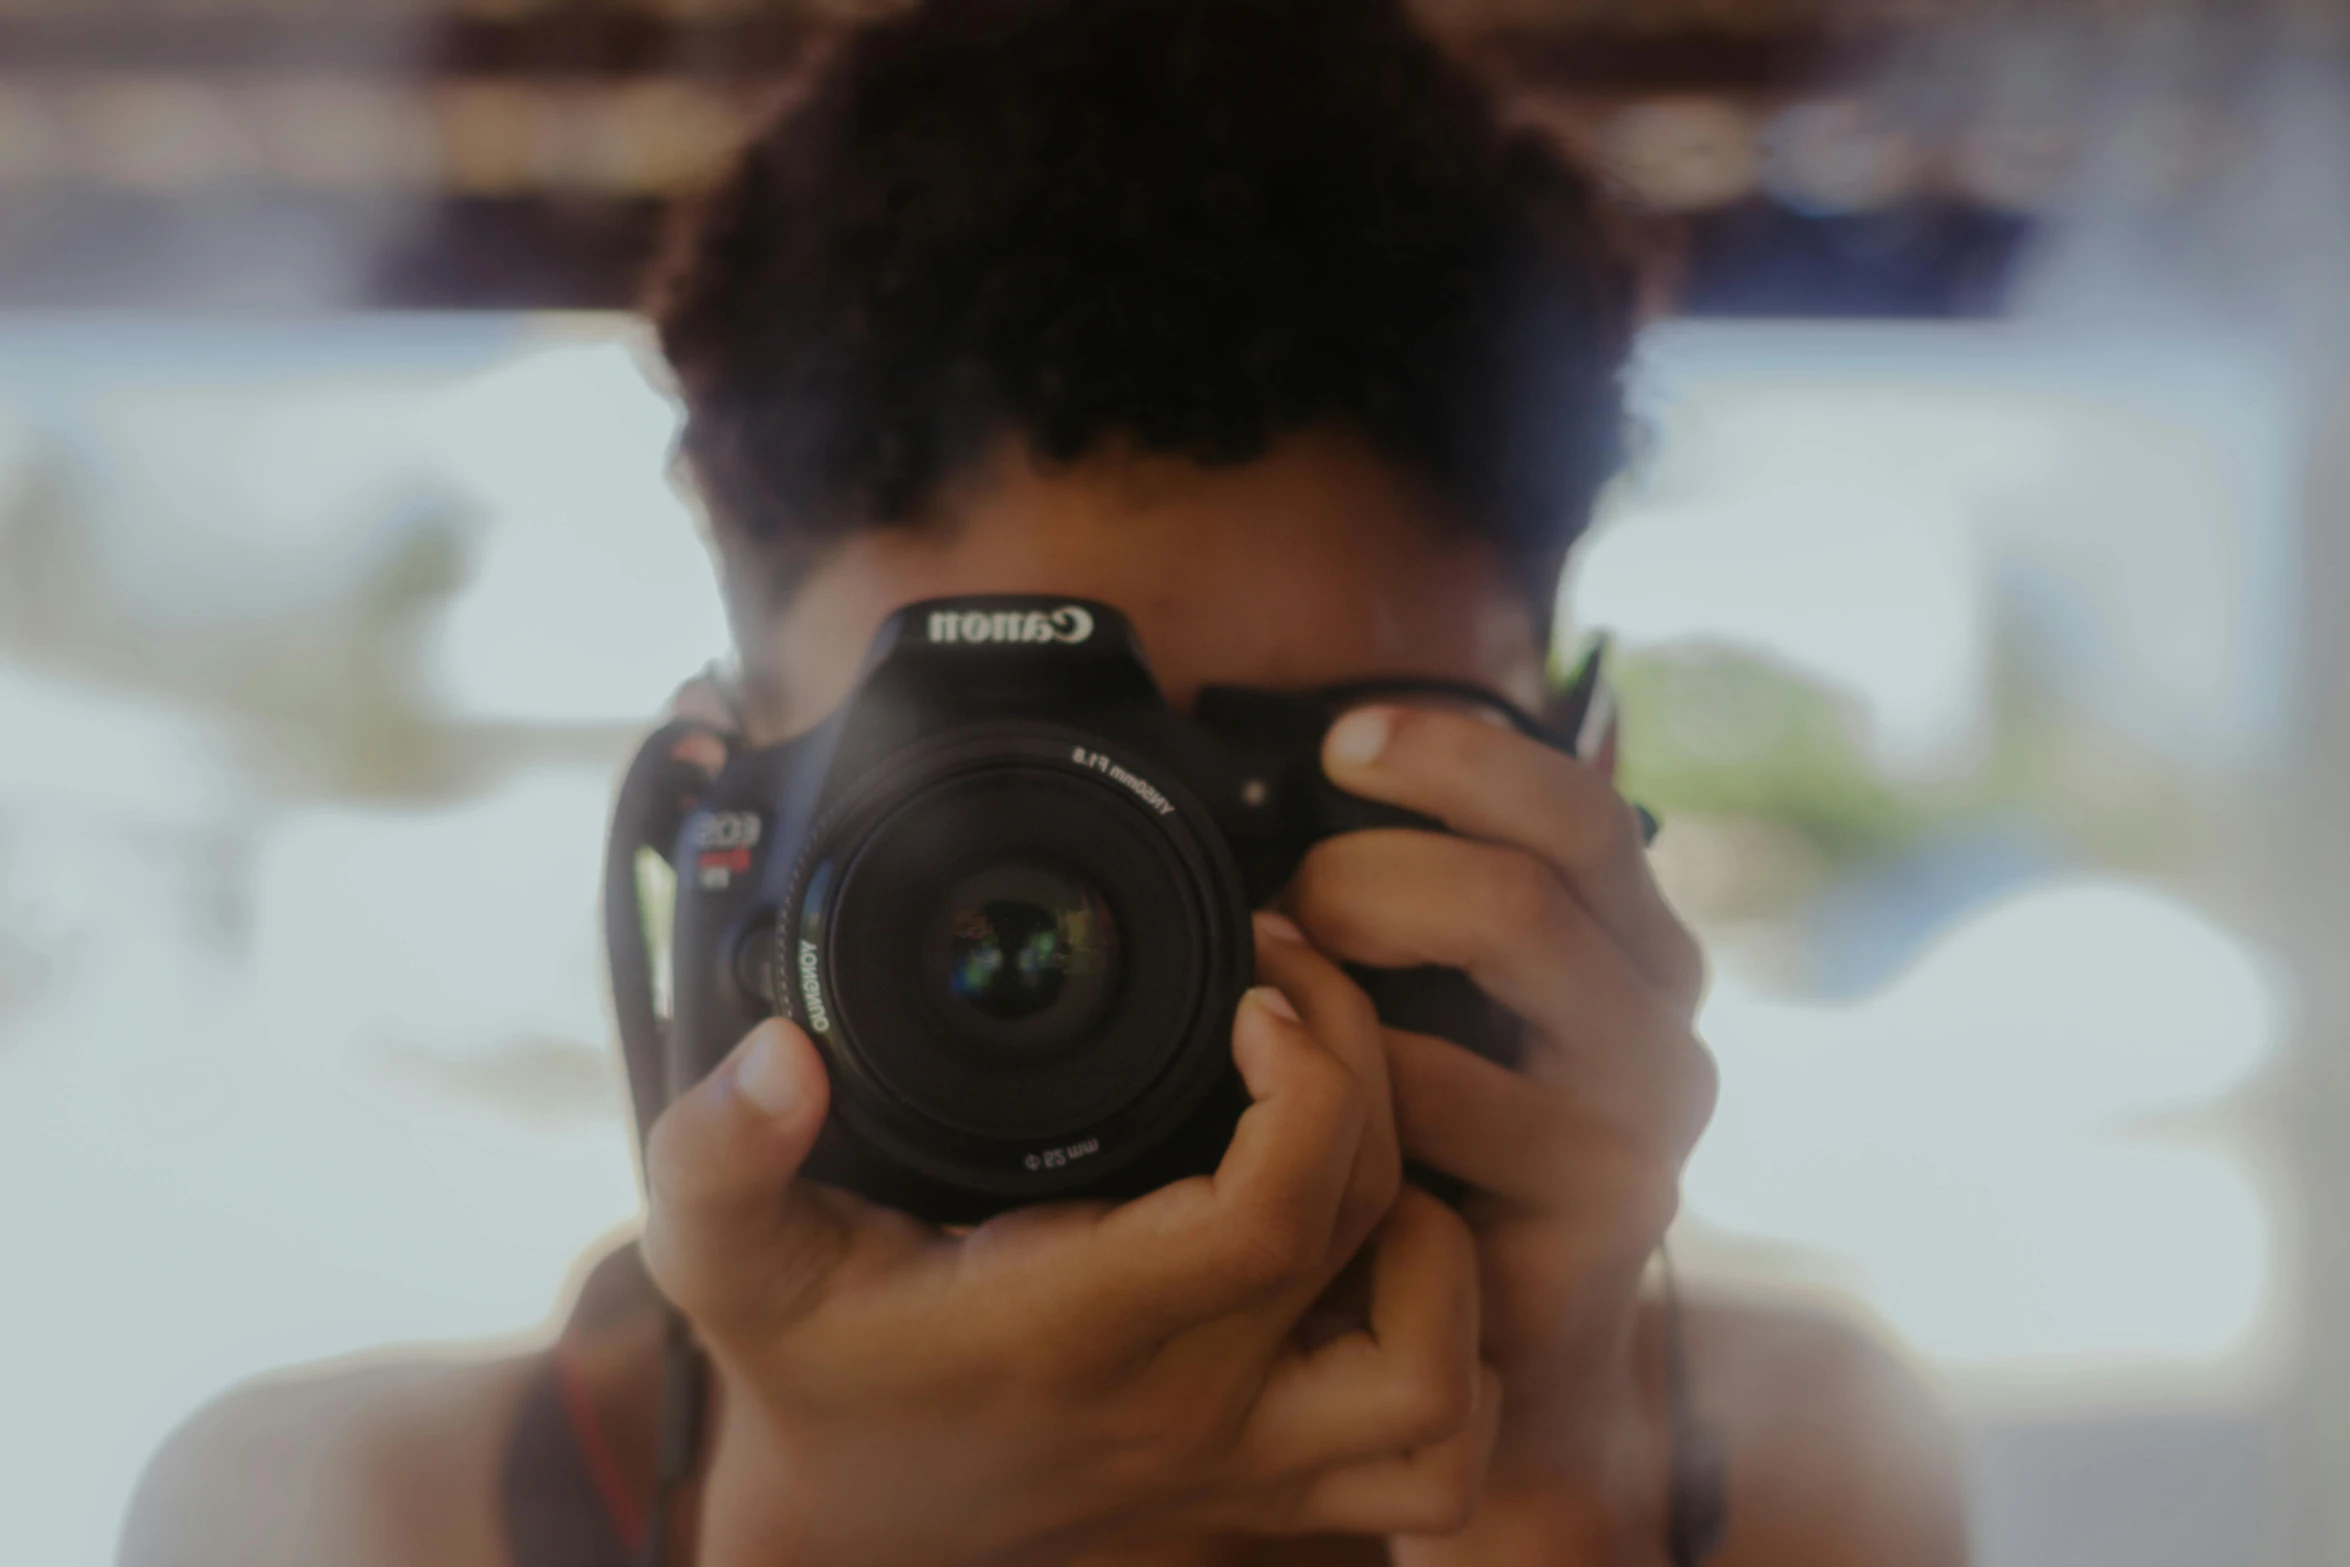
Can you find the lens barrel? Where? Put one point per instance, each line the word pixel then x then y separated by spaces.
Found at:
pixel 1020 949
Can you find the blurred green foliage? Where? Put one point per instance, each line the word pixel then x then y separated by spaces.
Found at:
pixel 1711 731
pixel 1718 733
pixel 331 699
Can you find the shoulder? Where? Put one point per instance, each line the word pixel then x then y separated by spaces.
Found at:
pixel 385 1466
pixel 1839 1452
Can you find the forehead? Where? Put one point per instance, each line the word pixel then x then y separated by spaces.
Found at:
pixel 1316 563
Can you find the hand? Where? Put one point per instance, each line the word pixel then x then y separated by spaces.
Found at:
pixel 1574 1162
pixel 1066 1377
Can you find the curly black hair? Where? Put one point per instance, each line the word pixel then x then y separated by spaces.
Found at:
pixel 1189 226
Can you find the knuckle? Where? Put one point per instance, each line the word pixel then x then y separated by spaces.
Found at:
pixel 1281 1505
pixel 658 1246
pixel 1151 1445
pixel 1318 894
pixel 1677 1095
pixel 1659 1208
pixel 666 1152
pixel 1198 1427
pixel 1383 1177
pixel 1611 835
pixel 1634 1194
pixel 1350 1008
pixel 663 1242
pixel 1684 962
pixel 1327 1084
pixel 1323 864
pixel 1451 743
pixel 1517 895
pixel 1439 1226
pixel 1646 1206
pixel 1372 1196
pixel 685 1281
pixel 1163 1436
pixel 1552 1153
pixel 1433 1402
pixel 1338 1007
pixel 1597 828
pixel 1702 1089
pixel 1444 1503
pixel 1539 1134
pixel 1271 1247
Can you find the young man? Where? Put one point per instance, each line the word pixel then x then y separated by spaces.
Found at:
pixel 1250 320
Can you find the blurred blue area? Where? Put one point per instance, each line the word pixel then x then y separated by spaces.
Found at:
pixel 1868 925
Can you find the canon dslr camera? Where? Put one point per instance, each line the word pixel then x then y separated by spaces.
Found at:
pixel 1006 889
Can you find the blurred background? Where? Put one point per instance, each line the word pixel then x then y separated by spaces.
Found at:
pixel 1976 593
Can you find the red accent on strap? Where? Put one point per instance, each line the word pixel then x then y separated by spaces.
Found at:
pixel 620 1504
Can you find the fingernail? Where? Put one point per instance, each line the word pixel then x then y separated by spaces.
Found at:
pixel 1272 1001
pixel 764 1078
pixel 1357 739
pixel 1279 926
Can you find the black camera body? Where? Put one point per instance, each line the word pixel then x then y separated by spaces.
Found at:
pixel 1006 888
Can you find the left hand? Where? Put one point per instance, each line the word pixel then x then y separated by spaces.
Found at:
pixel 1574 1161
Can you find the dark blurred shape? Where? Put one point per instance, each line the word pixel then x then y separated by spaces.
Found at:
pixel 1851 218
pixel 276 250
pixel 262 154
pixel 483 254
pixel 489 153
pixel 413 38
pixel 1642 49
pixel 1930 257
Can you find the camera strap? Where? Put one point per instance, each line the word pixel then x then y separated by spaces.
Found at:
pixel 657 794
pixel 659 791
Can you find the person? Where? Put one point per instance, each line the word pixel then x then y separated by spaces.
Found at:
pixel 1258 322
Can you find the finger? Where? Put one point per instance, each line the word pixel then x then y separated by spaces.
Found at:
pixel 1531 1141
pixel 1487 782
pixel 1430 1492
pixel 1341 1018
pixel 1265 1221
pixel 1394 898
pixel 1405 1381
pixel 1408 898
pixel 1398 899
pixel 729 1232
pixel 1500 1131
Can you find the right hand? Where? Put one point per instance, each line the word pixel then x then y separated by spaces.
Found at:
pixel 1070 1377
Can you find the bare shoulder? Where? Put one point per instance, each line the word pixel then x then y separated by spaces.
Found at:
pixel 383 1466
pixel 1839 1451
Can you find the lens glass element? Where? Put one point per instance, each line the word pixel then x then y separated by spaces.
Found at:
pixel 1026 945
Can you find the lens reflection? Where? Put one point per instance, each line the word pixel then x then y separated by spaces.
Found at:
pixel 1011 958
pixel 1026 945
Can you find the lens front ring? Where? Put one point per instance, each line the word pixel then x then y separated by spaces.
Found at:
pixel 930 1095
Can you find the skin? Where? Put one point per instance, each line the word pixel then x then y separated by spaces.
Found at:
pixel 1129 1385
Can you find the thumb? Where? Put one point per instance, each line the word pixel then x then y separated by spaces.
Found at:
pixel 731 1232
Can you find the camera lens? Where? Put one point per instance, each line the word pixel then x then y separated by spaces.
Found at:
pixel 1023 947
pixel 1013 947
